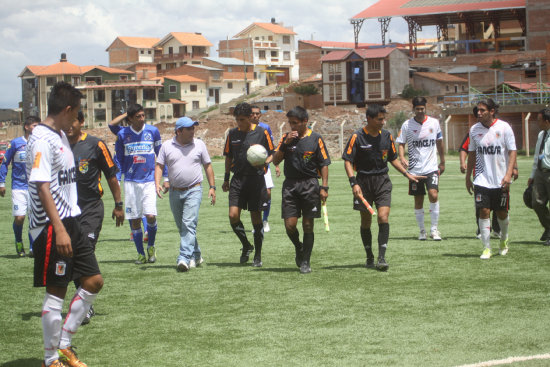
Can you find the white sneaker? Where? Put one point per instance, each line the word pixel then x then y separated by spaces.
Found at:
pixel 495 234
pixel 422 235
pixel 199 261
pixel 486 254
pixel 182 266
pixel 192 263
pixel 266 226
pixel 435 235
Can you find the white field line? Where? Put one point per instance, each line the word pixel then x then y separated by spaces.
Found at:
pixel 509 360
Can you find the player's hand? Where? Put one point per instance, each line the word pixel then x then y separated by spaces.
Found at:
pixel 357 192
pixel 63 243
pixel 404 163
pixel 515 173
pixel 277 171
pixel 212 196
pixel 414 178
pixel 160 191
pixel 529 182
pixel 225 186
pixel 324 195
pixel 506 182
pixel 291 136
pixel 463 167
pixel 118 214
pixel 441 168
pixel 469 185
pixel 2 191
pixel 166 186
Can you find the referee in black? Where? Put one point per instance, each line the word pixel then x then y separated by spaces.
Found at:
pixel 306 159
pixel 247 188
pixel 92 157
pixel 368 152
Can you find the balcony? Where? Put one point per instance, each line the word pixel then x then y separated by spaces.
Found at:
pixel 179 56
pixel 268 44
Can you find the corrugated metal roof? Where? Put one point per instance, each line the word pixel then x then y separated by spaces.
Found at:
pixel 229 61
pixel 370 53
pixel 441 77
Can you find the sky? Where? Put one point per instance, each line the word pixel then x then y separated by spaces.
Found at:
pixel 36 32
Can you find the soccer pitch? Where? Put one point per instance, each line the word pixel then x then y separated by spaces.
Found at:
pixel 438 305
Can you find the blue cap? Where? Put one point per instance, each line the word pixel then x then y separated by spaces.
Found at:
pixel 185 122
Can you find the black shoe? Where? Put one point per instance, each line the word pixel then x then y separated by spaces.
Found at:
pixel 305 268
pixel 245 254
pixel 545 235
pixel 299 254
pixel 89 315
pixel 382 265
pixel 257 262
pixel 370 263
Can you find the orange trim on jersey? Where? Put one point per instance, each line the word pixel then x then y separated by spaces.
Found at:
pixel 36 163
pixel 83 136
pixel 99 185
pixel 309 131
pixel 48 253
pixel 281 142
pixel 351 143
pixel 226 149
pixel 268 139
pixel 494 122
pixel 392 144
pixel 106 153
pixel 322 147
pixel 365 130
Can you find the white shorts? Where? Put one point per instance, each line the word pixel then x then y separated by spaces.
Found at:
pixel 268 180
pixel 19 199
pixel 139 199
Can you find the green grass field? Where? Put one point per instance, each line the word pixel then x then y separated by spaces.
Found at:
pixel 438 305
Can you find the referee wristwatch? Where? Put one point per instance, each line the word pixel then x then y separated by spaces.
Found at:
pixel 119 204
pixel 213 187
pixel 324 188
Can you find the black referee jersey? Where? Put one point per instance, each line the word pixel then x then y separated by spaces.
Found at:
pixel 304 157
pixel 370 154
pixel 91 157
pixel 237 144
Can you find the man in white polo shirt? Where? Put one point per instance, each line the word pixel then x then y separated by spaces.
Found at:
pixel 183 156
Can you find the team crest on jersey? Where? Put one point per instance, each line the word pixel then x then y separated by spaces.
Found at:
pixel 83 165
pixel 413 186
pixel 385 155
pixel 431 131
pixel 36 163
pixel 497 135
pixel 60 268
pixel 139 159
pixel 147 136
pixel 478 198
pixel 307 156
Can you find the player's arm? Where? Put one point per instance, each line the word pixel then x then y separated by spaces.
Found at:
pixel 211 181
pixel 441 151
pixel 159 168
pixel 507 180
pixel 4 169
pixel 62 239
pixel 469 170
pixel 279 154
pixel 110 170
pixel 324 179
pixel 397 165
pixel 118 211
pixel 402 159
pixel 348 166
pixel 225 185
pixel 462 156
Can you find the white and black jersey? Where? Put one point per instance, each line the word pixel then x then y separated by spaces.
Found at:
pixel 492 145
pixel 50 159
pixel 421 138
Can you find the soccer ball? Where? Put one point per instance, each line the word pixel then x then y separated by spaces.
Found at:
pixel 256 155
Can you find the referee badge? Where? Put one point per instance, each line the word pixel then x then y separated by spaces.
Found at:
pixel 478 198
pixel 307 156
pixel 83 165
pixel 60 268
pixel 385 155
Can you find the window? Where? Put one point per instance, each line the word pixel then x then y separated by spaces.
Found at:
pixel 196 105
pixel 447 88
pixel 335 72
pixel 261 54
pixel 50 80
pixel 170 50
pixel 230 85
pixel 286 55
pixel 99 96
pixel 274 53
pixel 255 75
pixel 141 52
pixel 150 113
pixel 76 80
pixel 193 88
pixel 210 92
pixel 257 38
pixel 149 52
pixel 375 88
pixel 286 40
pixel 124 77
pixel 463 88
pixel 172 89
pixel 374 65
pixel 456 88
pixel 332 93
pixel 99 115
pixel 229 69
pixel 149 94
pixel 531 73
pixel 270 38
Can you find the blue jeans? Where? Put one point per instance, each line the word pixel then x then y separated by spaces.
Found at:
pixel 185 208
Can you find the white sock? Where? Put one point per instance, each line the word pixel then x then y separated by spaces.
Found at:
pixel 51 326
pixel 419 213
pixel 503 223
pixel 434 214
pixel 485 230
pixel 78 309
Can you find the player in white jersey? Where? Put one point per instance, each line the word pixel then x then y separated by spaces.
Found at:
pixel 493 152
pixel 424 140
pixel 62 252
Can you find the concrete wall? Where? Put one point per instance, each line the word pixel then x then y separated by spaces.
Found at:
pixel 398 72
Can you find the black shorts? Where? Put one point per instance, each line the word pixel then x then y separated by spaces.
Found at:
pixel 301 197
pixel 494 199
pixel 376 188
pixel 91 220
pixel 430 182
pixel 52 269
pixel 248 192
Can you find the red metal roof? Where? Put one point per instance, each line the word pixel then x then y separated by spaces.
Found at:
pixel 400 8
pixel 370 53
pixel 335 44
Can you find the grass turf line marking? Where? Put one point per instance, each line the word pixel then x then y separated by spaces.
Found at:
pixel 509 360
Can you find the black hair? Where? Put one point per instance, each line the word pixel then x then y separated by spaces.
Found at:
pixel 474 111
pixel 133 109
pixel 254 106
pixel 490 104
pixel 374 109
pixel 545 112
pixel 63 95
pixel 31 120
pixel 242 109
pixel 299 112
pixel 419 101
pixel 80 117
